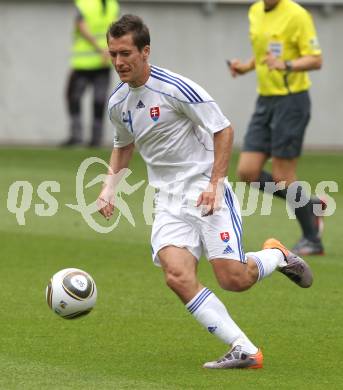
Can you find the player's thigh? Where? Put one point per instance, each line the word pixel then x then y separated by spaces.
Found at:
pixel 170 230
pixel 290 119
pixel 284 169
pixel 250 165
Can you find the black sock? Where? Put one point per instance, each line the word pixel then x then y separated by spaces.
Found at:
pixel 266 177
pixel 303 214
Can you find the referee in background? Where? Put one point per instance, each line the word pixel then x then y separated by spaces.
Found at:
pixel 285 47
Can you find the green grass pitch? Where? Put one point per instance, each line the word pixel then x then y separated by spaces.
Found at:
pixel 139 335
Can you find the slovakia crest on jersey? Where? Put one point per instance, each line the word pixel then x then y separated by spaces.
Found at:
pixel 155 113
pixel 225 236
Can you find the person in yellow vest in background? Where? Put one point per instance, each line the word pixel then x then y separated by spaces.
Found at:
pixel 285 47
pixel 90 66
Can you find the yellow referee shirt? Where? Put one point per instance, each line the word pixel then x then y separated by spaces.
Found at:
pixel 288 32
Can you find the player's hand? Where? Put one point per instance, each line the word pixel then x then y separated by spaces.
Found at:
pixel 206 200
pixel 105 203
pixel 273 62
pixel 236 67
pixel 210 199
pixel 105 208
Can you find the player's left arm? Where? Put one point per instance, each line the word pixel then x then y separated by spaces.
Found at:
pixel 211 198
pixel 206 114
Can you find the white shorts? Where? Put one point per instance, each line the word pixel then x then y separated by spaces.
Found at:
pixel 218 236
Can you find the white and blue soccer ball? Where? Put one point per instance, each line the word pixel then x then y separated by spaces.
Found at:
pixel 71 293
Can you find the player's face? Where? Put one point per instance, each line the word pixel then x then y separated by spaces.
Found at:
pixel 130 63
pixel 269 4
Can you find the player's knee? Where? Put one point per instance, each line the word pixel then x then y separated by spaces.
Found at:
pixel 178 280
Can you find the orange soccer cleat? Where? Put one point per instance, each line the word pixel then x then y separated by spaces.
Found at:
pixel 238 358
pixel 296 269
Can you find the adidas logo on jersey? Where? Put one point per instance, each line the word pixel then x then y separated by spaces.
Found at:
pixel 140 104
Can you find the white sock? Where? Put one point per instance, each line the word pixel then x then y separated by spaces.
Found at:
pixel 267 261
pixel 212 314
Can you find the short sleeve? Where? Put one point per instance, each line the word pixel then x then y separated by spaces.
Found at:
pixel 207 115
pixel 121 137
pixel 205 112
pixel 307 37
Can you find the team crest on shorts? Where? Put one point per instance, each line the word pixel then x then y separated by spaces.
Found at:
pixel 155 113
pixel 225 236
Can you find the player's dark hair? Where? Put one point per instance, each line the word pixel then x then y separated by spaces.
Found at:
pixel 131 24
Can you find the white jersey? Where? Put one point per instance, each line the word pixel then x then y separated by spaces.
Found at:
pixel 171 120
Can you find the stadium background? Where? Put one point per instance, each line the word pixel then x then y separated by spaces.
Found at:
pixel 193 37
pixel 139 336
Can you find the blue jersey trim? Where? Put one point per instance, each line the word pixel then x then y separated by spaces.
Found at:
pixel 116 89
pixel 171 96
pixel 120 101
pixel 181 82
pixel 176 84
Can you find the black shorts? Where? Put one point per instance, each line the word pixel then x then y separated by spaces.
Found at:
pixel 278 125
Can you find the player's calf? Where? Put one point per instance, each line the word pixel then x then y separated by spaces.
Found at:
pixel 233 275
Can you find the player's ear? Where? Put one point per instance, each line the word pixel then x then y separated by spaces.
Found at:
pixel 146 52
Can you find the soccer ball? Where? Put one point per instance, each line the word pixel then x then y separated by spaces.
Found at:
pixel 71 293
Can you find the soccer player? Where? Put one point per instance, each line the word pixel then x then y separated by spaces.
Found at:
pixel 285 47
pixel 185 140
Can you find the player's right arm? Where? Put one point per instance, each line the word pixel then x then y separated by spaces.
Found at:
pixel 237 67
pixel 123 146
pixel 119 161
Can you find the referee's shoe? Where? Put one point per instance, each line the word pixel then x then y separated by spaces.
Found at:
pixel 306 247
